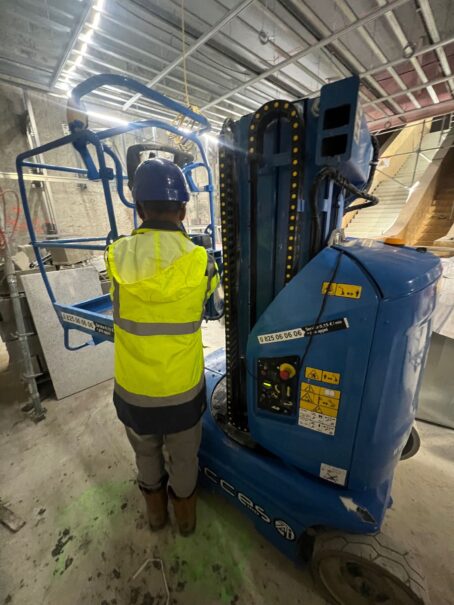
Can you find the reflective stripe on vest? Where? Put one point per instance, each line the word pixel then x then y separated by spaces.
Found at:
pixel 145 401
pixel 143 328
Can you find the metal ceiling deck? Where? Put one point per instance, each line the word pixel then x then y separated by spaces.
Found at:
pixel 239 54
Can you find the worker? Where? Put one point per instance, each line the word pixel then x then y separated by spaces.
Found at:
pixel 160 284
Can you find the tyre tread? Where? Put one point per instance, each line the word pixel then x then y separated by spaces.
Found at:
pixel 377 549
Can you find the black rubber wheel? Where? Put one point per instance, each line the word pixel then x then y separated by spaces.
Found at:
pixel 366 570
pixel 412 446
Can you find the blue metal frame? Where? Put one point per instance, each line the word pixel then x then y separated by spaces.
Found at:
pixel 92 311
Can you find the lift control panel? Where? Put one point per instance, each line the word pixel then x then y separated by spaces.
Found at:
pixel 278 384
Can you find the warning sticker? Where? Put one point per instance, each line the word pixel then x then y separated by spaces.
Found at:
pixel 333 473
pixel 331 377
pixel 319 407
pixel 343 290
pixel 309 393
pixel 314 374
pixel 322 375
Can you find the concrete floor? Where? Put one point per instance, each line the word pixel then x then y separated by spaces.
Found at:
pixel 71 478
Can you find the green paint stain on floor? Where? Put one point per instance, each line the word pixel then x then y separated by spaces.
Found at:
pixel 89 516
pixel 211 566
pixel 214 562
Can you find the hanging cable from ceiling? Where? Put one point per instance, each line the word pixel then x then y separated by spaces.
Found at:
pixel 183 51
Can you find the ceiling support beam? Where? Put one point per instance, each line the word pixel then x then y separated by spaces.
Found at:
pixel 375 48
pixel 197 44
pixel 385 124
pixel 344 61
pixel 72 42
pixel 405 43
pixel 319 45
pixel 431 27
pixel 139 49
pixel 411 89
pixel 422 51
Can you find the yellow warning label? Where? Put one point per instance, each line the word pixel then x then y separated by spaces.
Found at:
pixel 329 392
pixel 322 375
pixel 309 393
pixel 314 374
pixel 331 377
pixel 344 290
pixel 320 400
pixel 328 405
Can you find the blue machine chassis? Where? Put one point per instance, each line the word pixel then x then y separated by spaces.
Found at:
pixel 282 501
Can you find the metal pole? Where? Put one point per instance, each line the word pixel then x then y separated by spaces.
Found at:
pixel 28 373
pixel 34 141
pixel 418 151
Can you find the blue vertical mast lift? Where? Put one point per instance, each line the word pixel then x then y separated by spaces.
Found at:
pixel 312 402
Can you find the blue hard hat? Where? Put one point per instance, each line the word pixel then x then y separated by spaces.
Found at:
pixel 159 180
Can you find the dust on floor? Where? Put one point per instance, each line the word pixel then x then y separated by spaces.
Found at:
pixel 71 478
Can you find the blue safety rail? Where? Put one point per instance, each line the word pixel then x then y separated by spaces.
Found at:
pixel 94 316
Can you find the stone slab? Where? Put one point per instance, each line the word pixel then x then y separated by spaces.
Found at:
pixel 70 371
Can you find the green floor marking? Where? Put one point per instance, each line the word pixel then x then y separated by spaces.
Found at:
pixel 214 562
pixel 89 515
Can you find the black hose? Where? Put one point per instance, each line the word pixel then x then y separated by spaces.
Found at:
pixel 373 162
pixel 339 179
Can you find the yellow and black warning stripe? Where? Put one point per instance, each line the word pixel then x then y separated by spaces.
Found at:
pixel 293 114
pixel 236 407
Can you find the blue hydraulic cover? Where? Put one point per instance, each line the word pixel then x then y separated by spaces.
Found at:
pixel 334 363
pixel 397 270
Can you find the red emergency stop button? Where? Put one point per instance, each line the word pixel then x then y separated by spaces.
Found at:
pixel 286 371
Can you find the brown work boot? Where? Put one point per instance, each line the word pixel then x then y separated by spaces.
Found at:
pixel 156 507
pixel 185 512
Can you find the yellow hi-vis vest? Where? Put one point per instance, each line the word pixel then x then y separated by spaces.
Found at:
pixel 160 283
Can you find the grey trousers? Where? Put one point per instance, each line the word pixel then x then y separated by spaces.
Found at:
pixel 180 461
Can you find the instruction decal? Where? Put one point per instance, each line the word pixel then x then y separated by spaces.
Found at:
pixel 333 473
pixel 314 330
pixel 104 329
pixel 342 290
pixel 319 407
pixel 327 326
pixel 88 324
